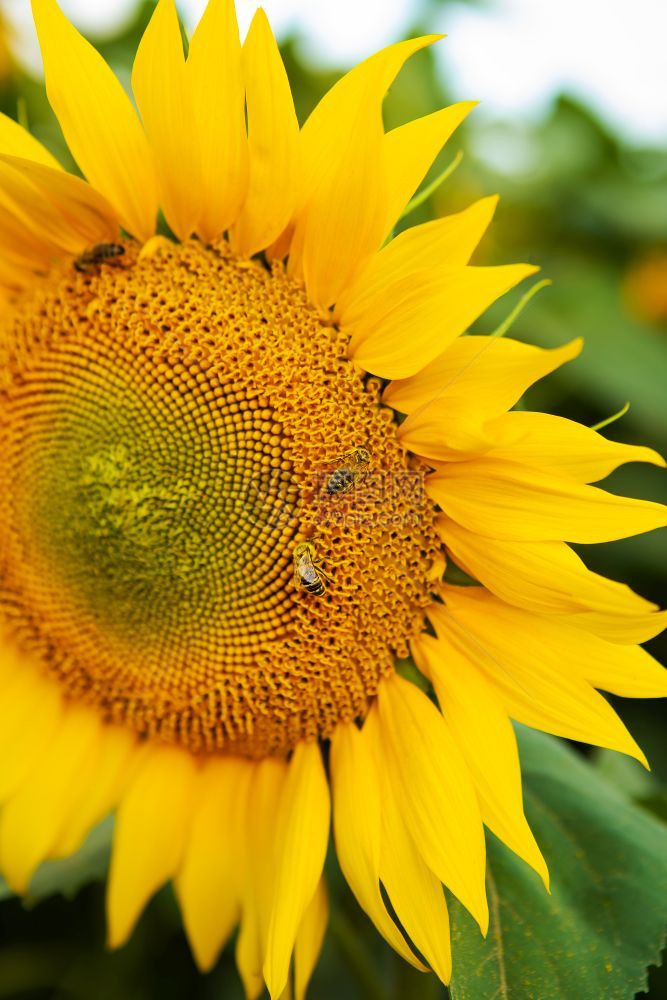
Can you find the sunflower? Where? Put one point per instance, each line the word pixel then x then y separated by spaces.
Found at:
pixel 237 460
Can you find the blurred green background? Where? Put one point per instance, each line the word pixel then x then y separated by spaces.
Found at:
pixel 590 208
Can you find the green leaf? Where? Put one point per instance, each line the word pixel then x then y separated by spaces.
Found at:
pixel 604 922
pixel 626 774
pixel 67 876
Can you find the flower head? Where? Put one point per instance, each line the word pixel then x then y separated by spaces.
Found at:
pixel 218 540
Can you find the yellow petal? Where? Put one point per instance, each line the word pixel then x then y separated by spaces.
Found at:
pixel 11 663
pixel 150 835
pixel 17 141
pixel 163 96
pixel 280 248
pixel 302 834
pixel 410 151
pixel 210 883
pixel 13 276
pixel 420 315
pixel 273 139
pixel 562 446
pixel 622 629
pixel 309 940
pixel 495 372
pixel 344 135
pixel 25 249
pixel 452 424
pixel 343 223
pixel 79 214
pixel 452 429
pixel 119 752
pixel 526 673
pixel 447 242
pixel 451 436
pixel 435 792
pixel 482 729
pixel 516 503
pixel 328 123
pixel 628 671
pixel 259 874
pixel 358 830
pixel 215 79
pixel 549 578
pixel 98 120
pixel 58 213
pixel 33 818
pixel 31 713
pixel 415 893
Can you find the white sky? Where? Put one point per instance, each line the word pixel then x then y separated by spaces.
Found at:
pixel 513 55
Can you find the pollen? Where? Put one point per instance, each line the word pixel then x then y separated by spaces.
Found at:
pixel 169 424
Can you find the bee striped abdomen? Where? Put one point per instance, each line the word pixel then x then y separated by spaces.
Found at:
pixel 315 587
pixel 310 578
pixel 307 576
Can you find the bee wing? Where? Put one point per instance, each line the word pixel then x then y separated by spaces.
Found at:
pixel 304 570
pixel 345 458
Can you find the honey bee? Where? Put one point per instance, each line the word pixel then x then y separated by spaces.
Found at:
pixel 102 253
pixel 352 467
pixel 307 574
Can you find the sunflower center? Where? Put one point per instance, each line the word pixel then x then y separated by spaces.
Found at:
pixel 169 430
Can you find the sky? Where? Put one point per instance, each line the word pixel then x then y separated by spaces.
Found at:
pixel 513 55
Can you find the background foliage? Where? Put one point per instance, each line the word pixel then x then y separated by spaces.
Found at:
pixel 592 212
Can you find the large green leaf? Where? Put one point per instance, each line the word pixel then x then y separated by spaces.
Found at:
pixel 603 924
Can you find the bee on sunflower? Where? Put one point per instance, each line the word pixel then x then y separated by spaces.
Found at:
pixel 157 660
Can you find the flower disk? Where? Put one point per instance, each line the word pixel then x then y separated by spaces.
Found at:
pixel 168 424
